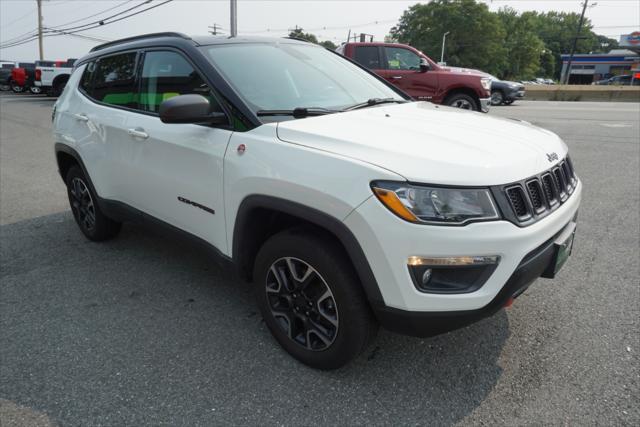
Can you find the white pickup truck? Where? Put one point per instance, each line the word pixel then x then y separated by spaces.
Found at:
pixel 52 80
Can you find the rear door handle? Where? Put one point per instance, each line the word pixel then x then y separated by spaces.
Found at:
pixel 138 133
pixel 396 77
pixel 81 117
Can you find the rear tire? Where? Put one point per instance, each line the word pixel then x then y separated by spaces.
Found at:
pixel 509 101
pixel 17 88
pixel 5 87
pixel 94 224
pixel 35 90
pixel 462 101
pixel 57 88
pixel 311 299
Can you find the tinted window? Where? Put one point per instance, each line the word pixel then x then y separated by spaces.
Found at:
pixel 114 80
pixel 87 75
pixel 368 56
pixel 402 59
pixel 168 74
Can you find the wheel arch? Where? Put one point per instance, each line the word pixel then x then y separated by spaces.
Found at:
pixel 62 78
pixel 463 90
pixel 259 217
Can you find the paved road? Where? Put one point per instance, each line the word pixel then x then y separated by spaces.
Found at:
pixel 146 330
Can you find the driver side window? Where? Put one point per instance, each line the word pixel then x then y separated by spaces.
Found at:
pixel 402 59
pixel 166 74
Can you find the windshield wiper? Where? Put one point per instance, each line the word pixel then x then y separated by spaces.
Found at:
pixel 375 101
pixel 298 113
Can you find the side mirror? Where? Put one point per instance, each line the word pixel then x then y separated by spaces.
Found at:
pixel 424 65
pixel 190 109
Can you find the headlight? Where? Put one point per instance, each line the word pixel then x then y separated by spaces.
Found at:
pixel 436 205
pixel 486 83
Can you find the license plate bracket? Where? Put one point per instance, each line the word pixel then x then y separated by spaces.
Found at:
pixel 562 248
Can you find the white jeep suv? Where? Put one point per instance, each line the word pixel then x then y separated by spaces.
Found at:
pixel 345 203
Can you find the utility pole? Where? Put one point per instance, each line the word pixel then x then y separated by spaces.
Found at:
pixel 567 73
pixel 215 29
pixel 234 18
pixel 40 29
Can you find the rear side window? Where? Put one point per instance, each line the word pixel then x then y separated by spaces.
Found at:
pixel 166 74
pixel 113 80
pixel 368 56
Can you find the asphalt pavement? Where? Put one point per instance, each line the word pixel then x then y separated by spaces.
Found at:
pixel 147 330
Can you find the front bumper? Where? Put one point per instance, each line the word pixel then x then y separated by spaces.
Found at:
pixel 426 324
pixel 514 94
pixel 389 241
pixel 485 103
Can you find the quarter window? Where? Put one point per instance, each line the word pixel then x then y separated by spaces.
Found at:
pixel 85 81
pixel 402 59
pixel 167 74
pixel 114 80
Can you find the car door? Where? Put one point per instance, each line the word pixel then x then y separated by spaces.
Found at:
pixel 107 99
pixel 175 170
pixel 403 70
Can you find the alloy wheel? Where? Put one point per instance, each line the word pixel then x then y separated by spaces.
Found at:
pixel 462 103
pixel 302 303
pixel 82 204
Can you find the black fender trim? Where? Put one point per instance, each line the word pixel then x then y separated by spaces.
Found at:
pixel 333 225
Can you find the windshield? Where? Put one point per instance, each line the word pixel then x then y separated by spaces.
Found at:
pixel 286 76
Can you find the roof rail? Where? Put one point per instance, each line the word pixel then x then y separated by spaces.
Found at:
pixel 141 37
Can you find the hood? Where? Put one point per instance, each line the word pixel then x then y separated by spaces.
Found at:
pixel 467 71
pixel 432 144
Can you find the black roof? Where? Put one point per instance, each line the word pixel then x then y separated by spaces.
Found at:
pixel 176 39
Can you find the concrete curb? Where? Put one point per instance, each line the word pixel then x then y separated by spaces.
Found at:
pixel 582 93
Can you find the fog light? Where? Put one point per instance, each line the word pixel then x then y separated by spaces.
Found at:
pixel 451 275
pixel 426 276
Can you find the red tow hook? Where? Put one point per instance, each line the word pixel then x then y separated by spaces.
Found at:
pixel 508 303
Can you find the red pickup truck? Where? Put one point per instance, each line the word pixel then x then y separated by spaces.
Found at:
pixel 420 77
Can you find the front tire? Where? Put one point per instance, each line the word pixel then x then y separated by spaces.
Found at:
pixel 311 299
pixel 497 97
pixel 94 224
pixel 36 90
pixel 17 88
pixel 462 101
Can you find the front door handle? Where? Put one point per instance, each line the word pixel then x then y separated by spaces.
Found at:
pixel 396 77
pixel 81 117
pixel 138 133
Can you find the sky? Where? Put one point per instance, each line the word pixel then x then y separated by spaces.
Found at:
pixel 328 19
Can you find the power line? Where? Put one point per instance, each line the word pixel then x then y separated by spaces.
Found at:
pixel 101 23
pixel 95 14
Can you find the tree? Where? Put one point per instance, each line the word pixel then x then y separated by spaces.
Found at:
pixel 329 44
pixel 475 37
pixel 557 30
pixel 299 33
pixel 524 47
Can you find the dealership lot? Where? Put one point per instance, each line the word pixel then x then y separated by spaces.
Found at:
pixel 145 329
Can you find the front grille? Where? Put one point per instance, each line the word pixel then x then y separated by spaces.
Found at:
pixel 518 202
pixel 535 197
pixel 533 187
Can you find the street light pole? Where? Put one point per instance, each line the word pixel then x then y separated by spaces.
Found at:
pixel 234 18
pixel 444 37
pixel 39 2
